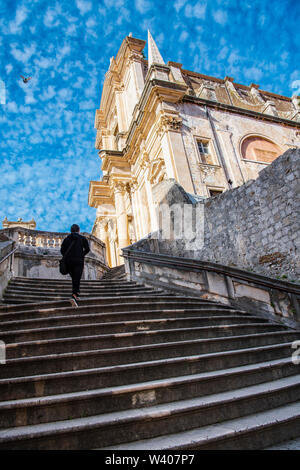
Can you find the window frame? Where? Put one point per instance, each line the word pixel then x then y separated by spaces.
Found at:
pixel 211 149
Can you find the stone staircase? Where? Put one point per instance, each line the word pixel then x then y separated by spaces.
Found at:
pixel 136 368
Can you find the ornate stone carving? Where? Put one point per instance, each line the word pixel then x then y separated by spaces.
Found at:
pixel 133 185
pixel 208 173
pixel 119 186
pixel 169 123
pixel 52 263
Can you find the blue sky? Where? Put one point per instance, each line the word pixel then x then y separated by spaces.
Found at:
pixel 47 135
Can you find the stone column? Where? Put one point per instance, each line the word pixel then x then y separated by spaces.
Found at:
pixel 134 207
pixel 122 221
pixel 103 235
pixel 122 122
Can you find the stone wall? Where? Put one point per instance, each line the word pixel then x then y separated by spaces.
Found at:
pixel 255 227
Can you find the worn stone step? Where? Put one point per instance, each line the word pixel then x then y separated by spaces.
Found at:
pixel 277 363
pixel 47 282
pixel 58 362
pixel 251 432
pixel 111 305
pixel 66 289
pixel 30 307
pixel 51 332
pixel 70 316
pixel 210 335
pixel 86 285
pixel 124 426
pixel 30 297
pixel 35 410
pixel 95 291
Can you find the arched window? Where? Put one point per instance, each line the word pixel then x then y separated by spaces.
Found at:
pixel 259 149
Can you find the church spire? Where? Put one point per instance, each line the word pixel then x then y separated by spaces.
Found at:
pixel 154 55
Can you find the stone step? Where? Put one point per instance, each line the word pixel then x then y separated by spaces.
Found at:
pixel 14 298
pixel 115 427
pixel 95 291
pixel 30 307
pixel 213 367
pixel 129 363
pixel 59 407
pixel 110 305
pixel 9 335
pixel 79 317
pixel 80 358
pixel 210 335
pixel 67 280
pixel 251 432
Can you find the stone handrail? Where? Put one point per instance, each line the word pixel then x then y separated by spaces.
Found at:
pixel 198 265
pixel 7 255
pixel 242 289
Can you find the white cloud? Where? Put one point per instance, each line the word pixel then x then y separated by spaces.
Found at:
pixel 12 107
pixel 142 6
pixel 29 98
pixel 47 94
pixel 65 94
pixel 183 36
pixel 83 6
pixel 50 18
pixel 196 11
pixel 8 68
pixel 21 15
pixel 296 87
pixel 220 17
pixel 253 73
pixel 25 55
pixel 179 4
pixel 87 105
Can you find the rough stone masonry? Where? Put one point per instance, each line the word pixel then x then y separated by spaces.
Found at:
pixel 255 227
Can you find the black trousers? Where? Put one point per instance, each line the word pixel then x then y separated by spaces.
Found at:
pixel 75 269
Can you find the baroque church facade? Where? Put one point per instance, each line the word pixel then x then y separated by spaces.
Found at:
pixel 158 121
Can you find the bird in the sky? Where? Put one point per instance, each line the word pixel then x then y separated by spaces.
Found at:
pixel 25 80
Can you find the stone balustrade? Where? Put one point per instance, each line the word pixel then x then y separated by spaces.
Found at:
pixel 38 253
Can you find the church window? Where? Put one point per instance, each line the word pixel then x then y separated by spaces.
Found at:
pixel 204 152
pixel 261 150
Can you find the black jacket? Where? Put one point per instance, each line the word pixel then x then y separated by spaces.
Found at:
pixel 79 249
